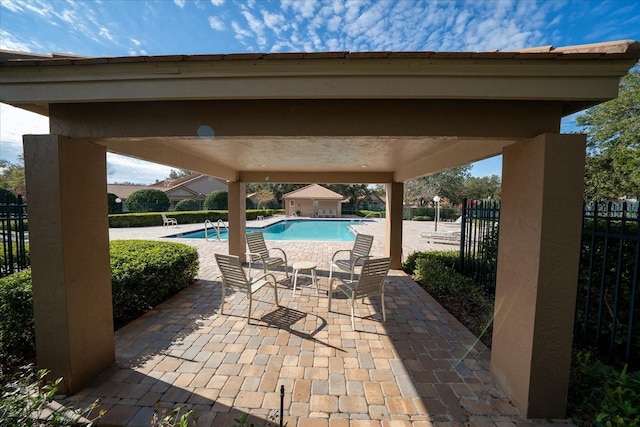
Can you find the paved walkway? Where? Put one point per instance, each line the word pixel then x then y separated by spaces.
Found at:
pixel 420 368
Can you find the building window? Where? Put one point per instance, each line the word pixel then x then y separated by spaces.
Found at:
pixel 315 202
pixel 292 203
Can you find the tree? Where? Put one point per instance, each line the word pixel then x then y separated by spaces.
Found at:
pixel 12 176
pixel 352 192
pixel 148 200
pixel 113 206
pixel 449 184
pixel 217 200
pixel 477 188
pixel 264 196
pixel 180 173
pixel 613 143
pixel 7 196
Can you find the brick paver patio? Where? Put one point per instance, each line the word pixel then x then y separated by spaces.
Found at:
pixel 420 368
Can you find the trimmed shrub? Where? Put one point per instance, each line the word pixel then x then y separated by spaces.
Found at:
pixel 148 200
pixel 421 218
pixel 7 196
pixel 187 205
pixel 17 330
pixel 217 200
pixel 145 273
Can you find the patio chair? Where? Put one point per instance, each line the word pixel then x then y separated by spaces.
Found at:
pixel 258 251
pixel 357 255
pixel 234 277
pixel 320 213
pixel 371 282
pixel 333 213
pixel 167 221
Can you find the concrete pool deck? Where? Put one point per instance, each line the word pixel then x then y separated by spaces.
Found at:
pixel 419 368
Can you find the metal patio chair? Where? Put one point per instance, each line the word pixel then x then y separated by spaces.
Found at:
pixel 371 282
pixel 234 277
pixel 357 255
pixel 258 251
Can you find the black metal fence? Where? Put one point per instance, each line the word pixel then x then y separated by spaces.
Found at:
pixel 14 247
pixel 608 306
pixel 479 242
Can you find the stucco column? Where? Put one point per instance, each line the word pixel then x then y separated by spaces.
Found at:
pixel 540 229
pixel 237 218
pixel 69 245
pixel 393 243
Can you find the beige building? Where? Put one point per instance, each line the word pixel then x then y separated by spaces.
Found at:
pixel 194 186
pixel 313 201
pixel 331 117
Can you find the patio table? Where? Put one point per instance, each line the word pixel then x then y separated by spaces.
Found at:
pixel 304 265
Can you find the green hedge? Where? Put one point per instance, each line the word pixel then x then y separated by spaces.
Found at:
pixel 143 274
pixel 17 330
pixel 188 217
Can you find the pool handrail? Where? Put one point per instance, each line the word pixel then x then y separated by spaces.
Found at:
pixel 220 223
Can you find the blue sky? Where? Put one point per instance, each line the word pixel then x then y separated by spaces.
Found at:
pixel 158 27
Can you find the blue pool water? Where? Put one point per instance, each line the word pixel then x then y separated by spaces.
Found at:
pixel 295 229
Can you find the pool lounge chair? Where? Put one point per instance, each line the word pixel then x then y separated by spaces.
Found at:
pixel 333 213
pixel 167 221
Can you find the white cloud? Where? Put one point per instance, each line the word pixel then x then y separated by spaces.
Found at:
pixel 12 5
pixel 257 27
pixel 129 169
pixel 216 23
pixel 217 2
pixel 9 42
pixel 15 122
pixel 104 32
pixel 136 42
pixel 274 21
pixel 180 3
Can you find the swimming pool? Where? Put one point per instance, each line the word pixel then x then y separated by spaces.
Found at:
pixel 293 229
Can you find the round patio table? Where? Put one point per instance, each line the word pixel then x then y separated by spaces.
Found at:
pixel 304 265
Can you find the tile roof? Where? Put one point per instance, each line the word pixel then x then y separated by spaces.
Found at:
pixel 313 191
pixel 605 50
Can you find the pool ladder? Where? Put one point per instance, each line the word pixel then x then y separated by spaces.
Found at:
pixel 370 214
pixel 217 226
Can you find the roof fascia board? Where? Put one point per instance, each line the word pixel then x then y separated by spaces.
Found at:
pixel 330 79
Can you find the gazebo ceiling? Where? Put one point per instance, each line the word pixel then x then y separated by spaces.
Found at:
pixel 315 117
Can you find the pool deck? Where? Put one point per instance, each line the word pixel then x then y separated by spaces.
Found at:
pixel 419 368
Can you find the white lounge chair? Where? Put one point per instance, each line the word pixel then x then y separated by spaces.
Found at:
pixel 333 213
pixel 234 277
pixel 357 255
pixel 258 251
pixel 371 282
pixel 167 221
